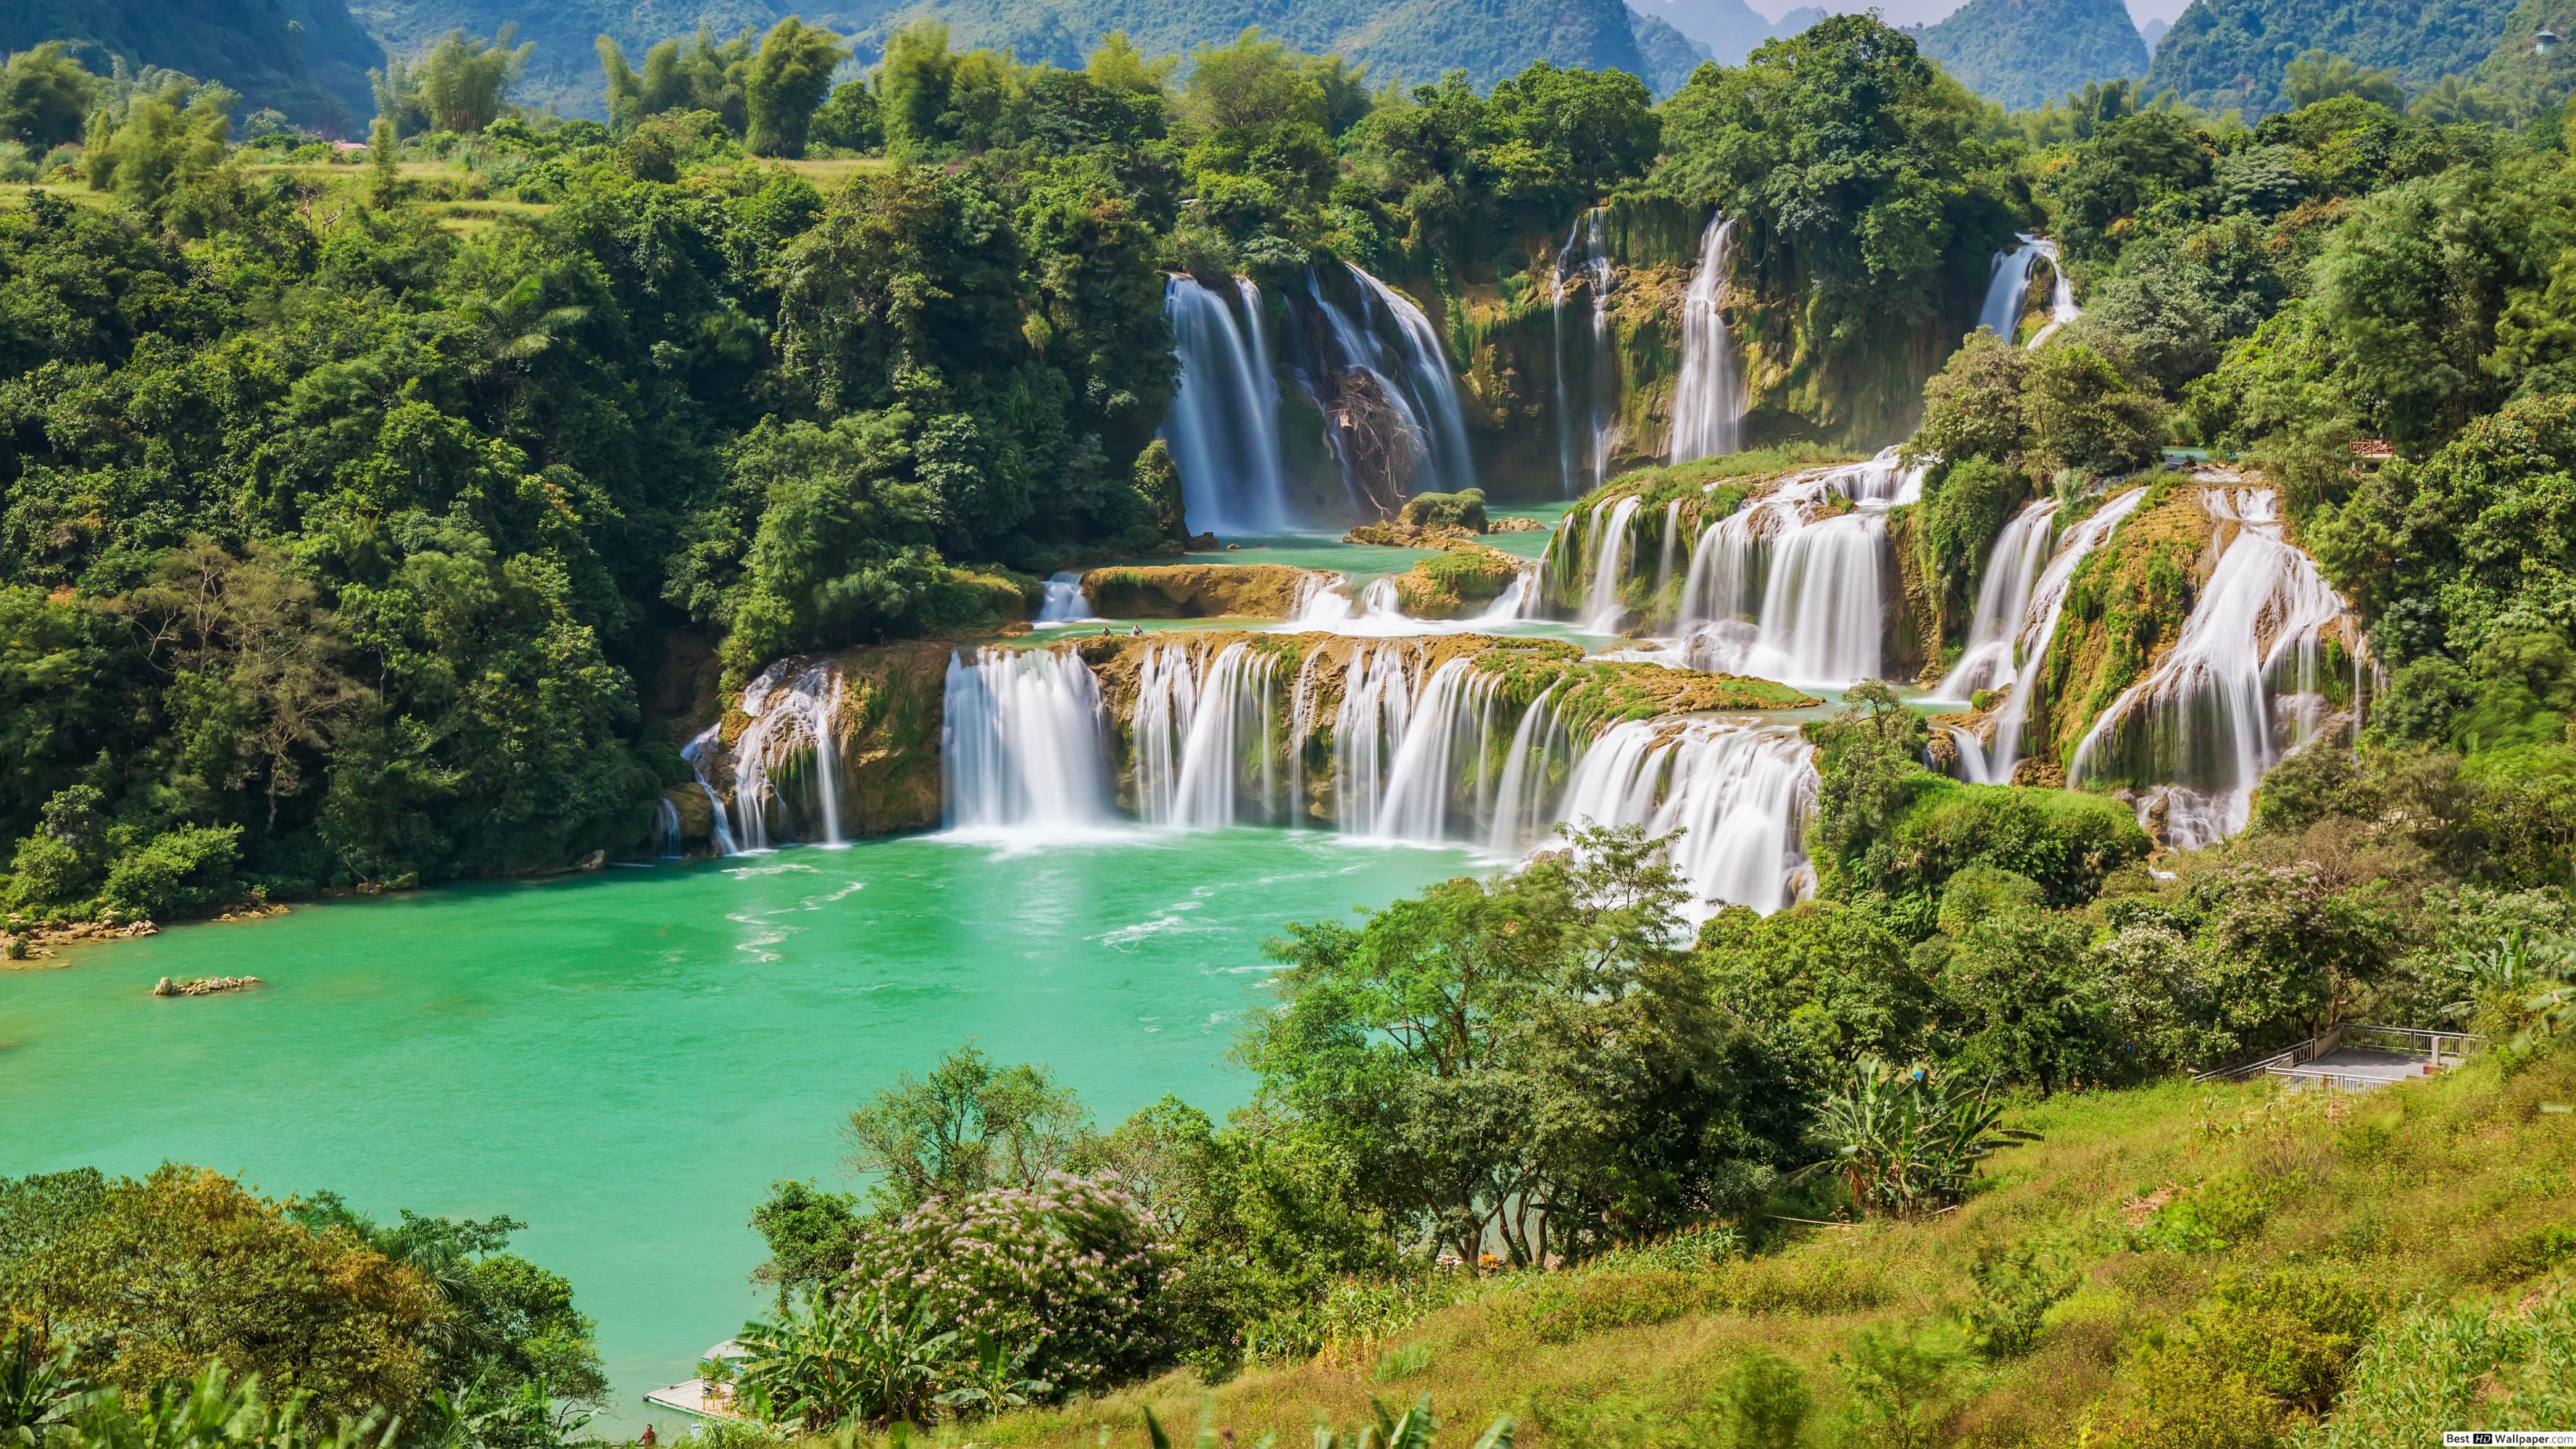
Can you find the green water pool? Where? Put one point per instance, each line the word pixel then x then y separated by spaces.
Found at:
pixel 625 1060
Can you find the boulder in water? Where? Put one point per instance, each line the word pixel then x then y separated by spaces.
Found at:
pixel 202 985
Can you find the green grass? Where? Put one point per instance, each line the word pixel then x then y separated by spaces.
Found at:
pixel 2450 1191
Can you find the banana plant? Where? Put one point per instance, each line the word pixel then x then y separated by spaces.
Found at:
pixel 1905 1141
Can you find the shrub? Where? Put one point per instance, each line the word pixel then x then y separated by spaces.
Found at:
pixel 1464 509
pixel 2255 1357
pixel 1069 1271
pixel 179 871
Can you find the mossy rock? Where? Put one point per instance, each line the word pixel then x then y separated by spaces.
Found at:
pixel 1199 591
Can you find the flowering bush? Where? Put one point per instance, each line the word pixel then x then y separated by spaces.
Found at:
pixel 1066 1274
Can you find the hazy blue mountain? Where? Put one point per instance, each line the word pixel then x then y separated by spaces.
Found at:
pixel 2153 31
pixel 1728 28
pixel 305 58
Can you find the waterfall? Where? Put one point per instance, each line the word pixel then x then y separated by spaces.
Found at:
pixel 1790 587
pixel 1592 235
pixel 1737 791
pixel 666 829
pixel 2061 296
pixel 1605 604
pixel 1390 341
pixel 1420 786
pixel 2001 312
pixel 2239 687
pixel 1065 603
pixel 1223 428
pixel 2003 596
pixel 1971 753
pixel 2038 631
pixel 1377 613
pixel 1024 743
pixel 1194 733
pixel 1664 558
pixel 701 754
pixel 786 760
pixel 1519 799
pixel 1708 400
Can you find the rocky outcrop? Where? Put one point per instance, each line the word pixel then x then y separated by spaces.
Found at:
pixel 1463 577
pixel 1200 591
pixel 203 985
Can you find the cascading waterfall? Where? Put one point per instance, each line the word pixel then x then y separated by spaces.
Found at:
pixel 701 754
pixel 1024 743
pixel 1394 344
pixel 2240 687
pixel 2001 312
pixel 1737 791
pixel 1589 466
pixel 1708 399
pixel 2003 597
pixel 2061 296
pixel 1223 428
pixel 1790 587
pixel 1518 800
pixel 2038 631
pixel 1206 746
pixel 1664 556
pixel 1064 602
pixel 1604 605
pixel 666 829
pixel 1450 712
pixel 786 775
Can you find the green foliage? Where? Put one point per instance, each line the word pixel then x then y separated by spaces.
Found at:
pixel 1063 1279
pixel 2015 1289
pixel 1446 510
pixel 966 1128
pixel 161 1275
pixel 2262 1353
pixel 2241 55
pixel 44 97
pixel 810 1234
pixel 2457 1368
pixel 1904 1142
pixel 2086 413
pixel 1445 1043
pixel 787 79
pixel 461 84
pixel 1849 165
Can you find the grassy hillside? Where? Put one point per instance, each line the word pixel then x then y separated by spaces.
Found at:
pixel 2230 54
pixel 2029 52
pixel 2167 1263
pixel 306 58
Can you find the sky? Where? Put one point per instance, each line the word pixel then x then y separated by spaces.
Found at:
pixel 1924 12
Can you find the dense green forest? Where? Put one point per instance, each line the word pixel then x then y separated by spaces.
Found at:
pixel 2026 53
pixel 2237 54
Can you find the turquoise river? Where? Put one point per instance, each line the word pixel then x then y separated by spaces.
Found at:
pixel 624 1061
